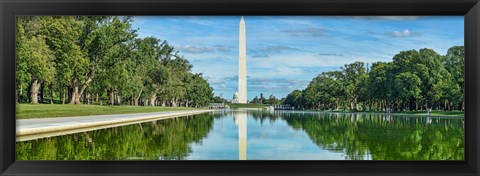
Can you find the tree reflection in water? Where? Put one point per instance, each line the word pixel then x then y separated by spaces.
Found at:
pixel 360 136
pixel 164 139
pixel 378 137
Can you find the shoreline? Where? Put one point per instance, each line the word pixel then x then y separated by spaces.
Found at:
pixel 372 112
pixel 29 129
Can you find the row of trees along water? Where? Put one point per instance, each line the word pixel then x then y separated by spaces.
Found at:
pixel 91 59
pixel 414 80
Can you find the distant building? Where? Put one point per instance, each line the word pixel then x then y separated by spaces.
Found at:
pixel 235 98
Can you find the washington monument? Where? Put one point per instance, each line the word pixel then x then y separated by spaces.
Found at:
pixel 242 64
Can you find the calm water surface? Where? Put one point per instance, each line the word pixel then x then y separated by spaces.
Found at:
pixel 262 135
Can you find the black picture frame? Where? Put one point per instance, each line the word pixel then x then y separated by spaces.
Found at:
pixel 468 8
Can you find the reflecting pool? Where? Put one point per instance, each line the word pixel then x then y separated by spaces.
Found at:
pixel 262 135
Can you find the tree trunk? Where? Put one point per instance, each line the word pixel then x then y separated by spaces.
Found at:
pixel 336 104
pixel 137 98
pixel 96 98
pixel 152 100
pixel 119 99
pixel 75 99
pixel 82 90
pixel 135 101
pixel 84 85
pixel 174 103
pixel 112 98
pixel 34 91
pixel 64 94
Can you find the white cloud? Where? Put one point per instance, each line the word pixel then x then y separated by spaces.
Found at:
pixel 306 32
pixel 194 49
pixel 191 19
pixel 282 70
pixel 330 54
pixel 223 48
pixel 260 56
pixel 404 33
pixel 308 60
pixel 214 80
pixel 396 18
pixel 218 84
pixel 277 49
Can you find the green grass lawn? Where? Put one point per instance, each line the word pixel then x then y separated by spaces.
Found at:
pixel 28 111
pixel 234 105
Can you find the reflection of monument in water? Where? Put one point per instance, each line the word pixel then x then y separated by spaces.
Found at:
pixel 241 95
pixel 241 122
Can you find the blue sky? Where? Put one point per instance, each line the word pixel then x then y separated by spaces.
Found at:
pixel 285 53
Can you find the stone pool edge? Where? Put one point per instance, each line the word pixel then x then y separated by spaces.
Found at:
pixel 75 127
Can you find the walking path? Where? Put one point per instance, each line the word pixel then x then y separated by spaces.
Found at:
pixel 28 129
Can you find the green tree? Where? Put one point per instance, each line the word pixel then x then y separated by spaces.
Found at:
pixel 380 85
pixel 115 73
pixel 199 92
pixel 353 75
pixel 61 34
pixel 434 79
pixel 99 57
pixel 176 88
pixel 36 60
pixel 454 62
pixel 408 87
pixel 144 56
pixel 99 35
pixel 294 99
pixel 413 80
